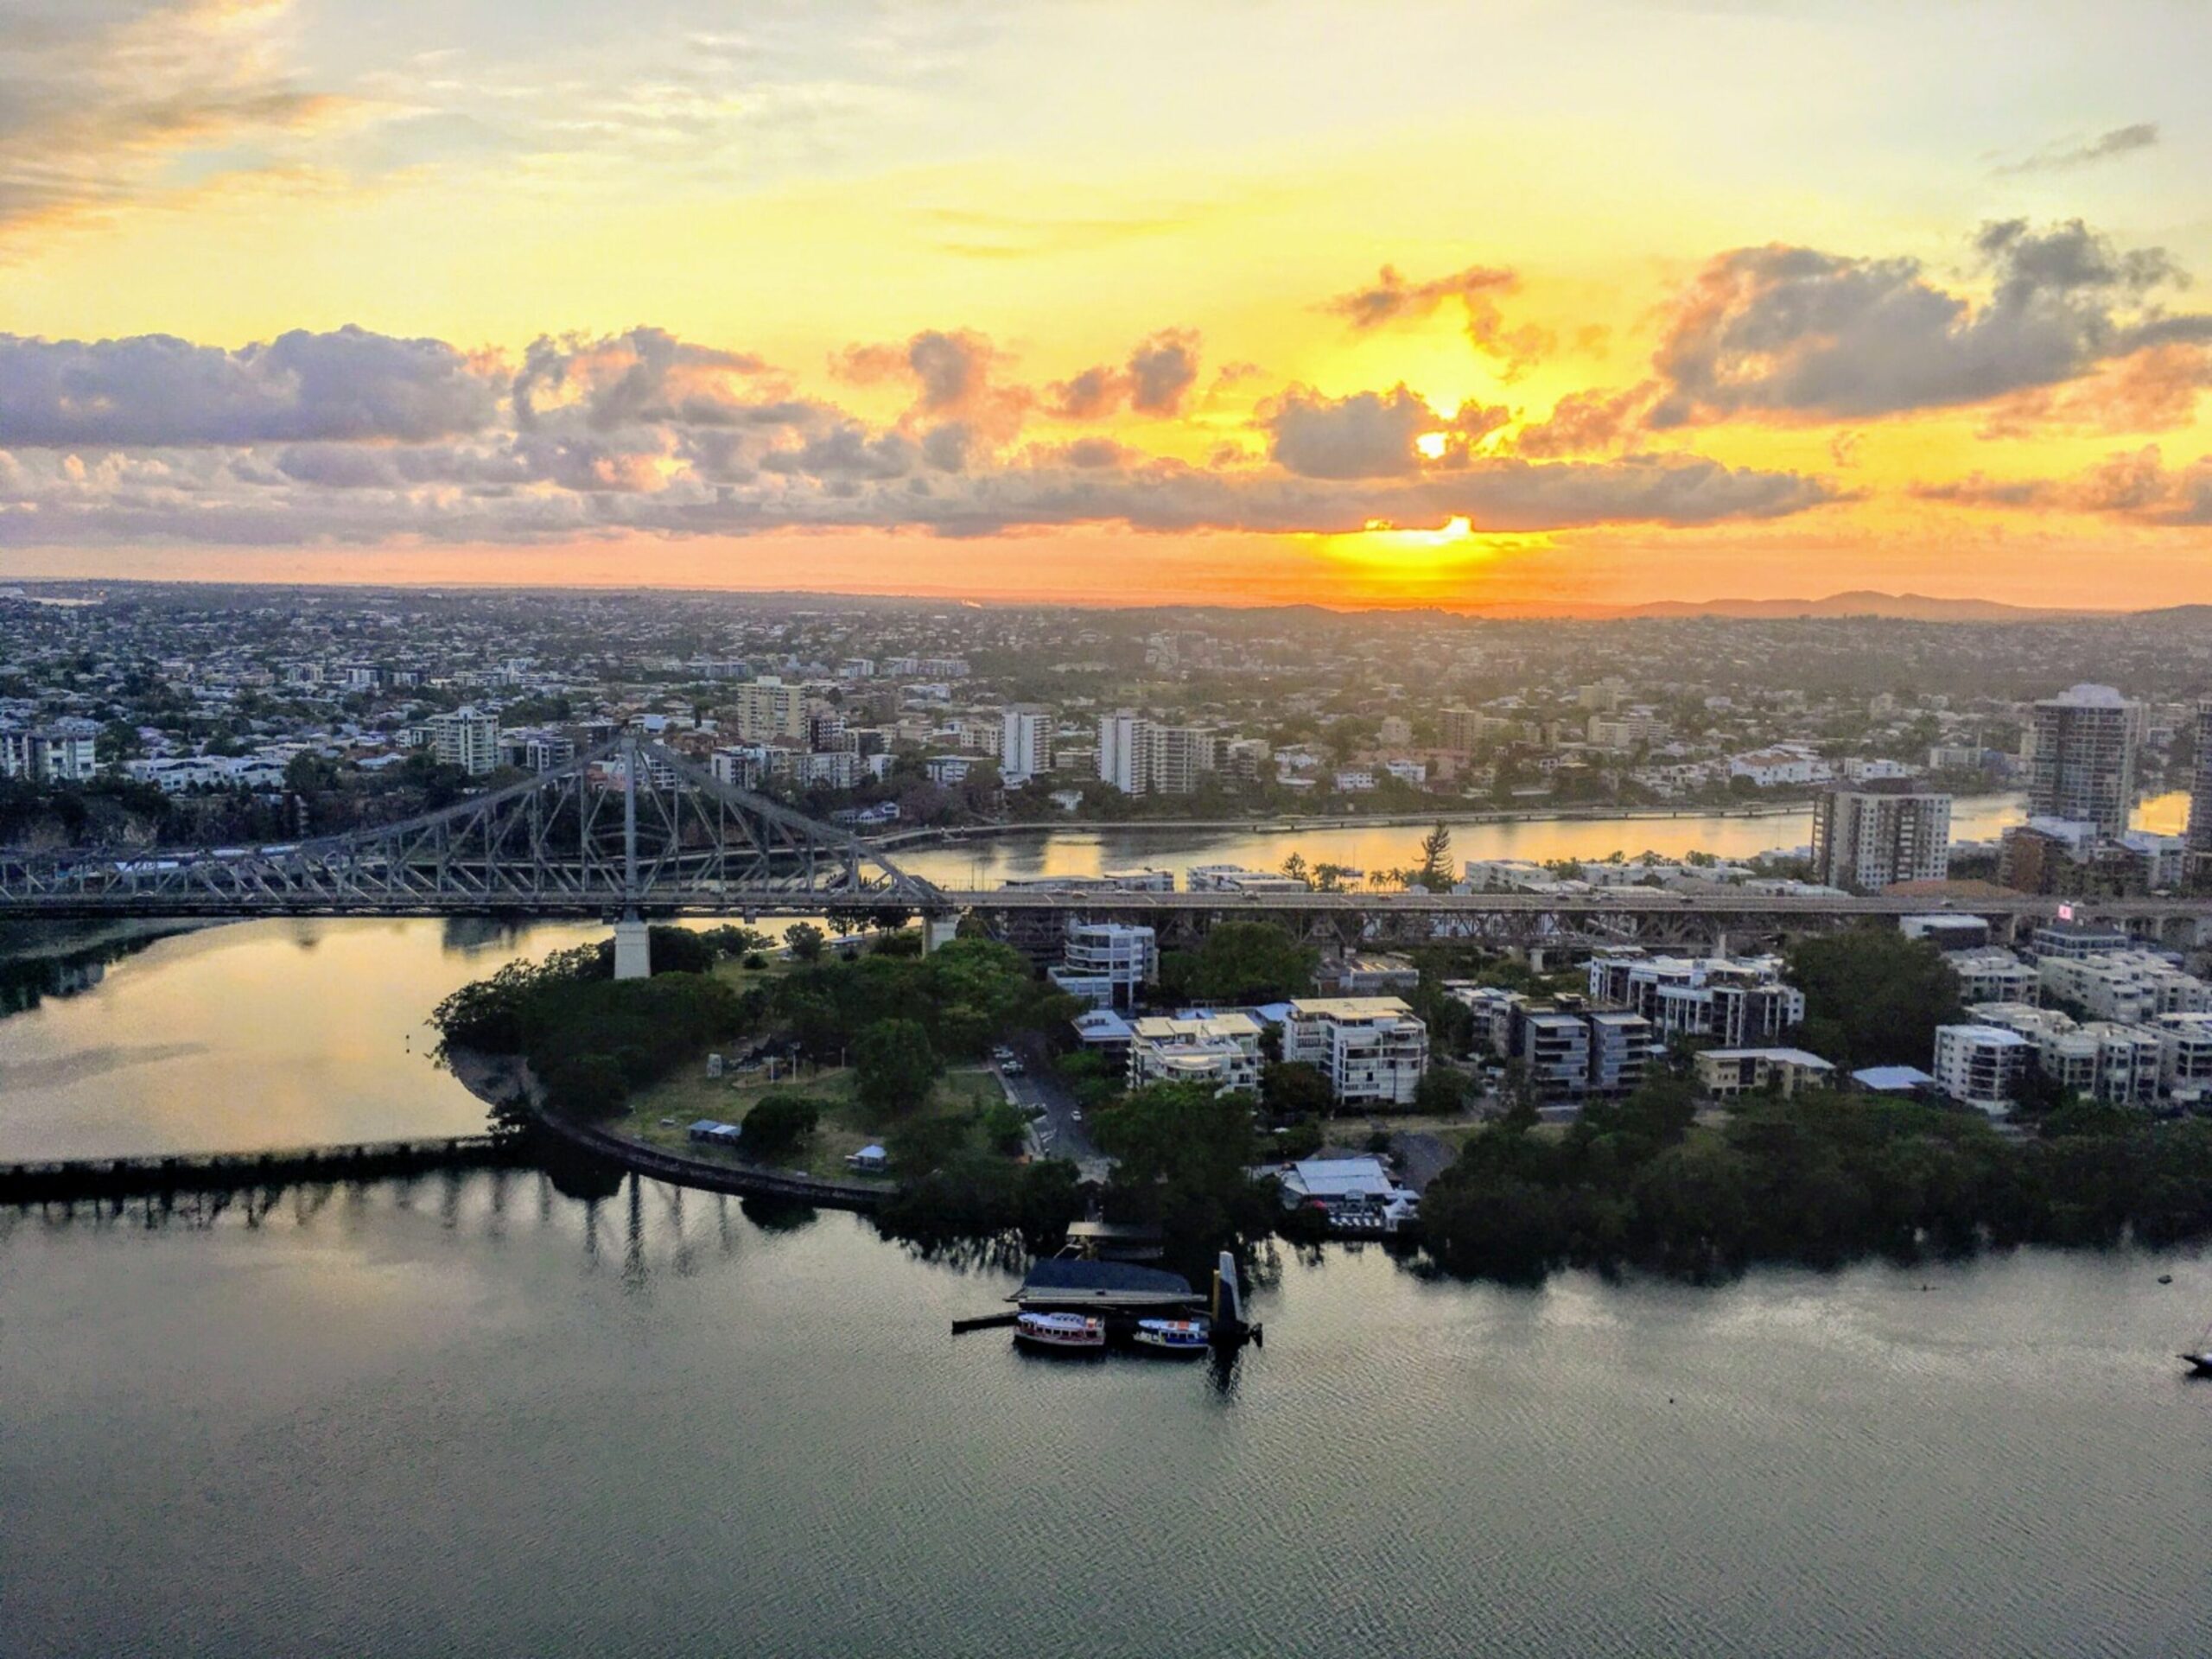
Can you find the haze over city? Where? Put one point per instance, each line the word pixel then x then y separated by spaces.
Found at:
pixel 1008 827
pixel 1562 307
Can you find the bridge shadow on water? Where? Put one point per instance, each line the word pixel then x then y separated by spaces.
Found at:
pixel 640 1230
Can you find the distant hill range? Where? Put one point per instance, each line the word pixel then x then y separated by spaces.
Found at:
pixel 1911 607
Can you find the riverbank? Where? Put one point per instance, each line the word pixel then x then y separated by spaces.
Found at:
pixel 503 1084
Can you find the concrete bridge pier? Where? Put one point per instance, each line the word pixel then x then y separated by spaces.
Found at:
pixel 632 947
pixel 939 931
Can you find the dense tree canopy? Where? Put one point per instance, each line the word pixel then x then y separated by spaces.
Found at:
pixel 1823 1180
pixel 1183 1159
pixel 894 1066
pixel 1241 962
pixel 1872 997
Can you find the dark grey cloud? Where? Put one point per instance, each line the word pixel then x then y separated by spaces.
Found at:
pixel 1368 435
pixel 2083 152
pixel 1161 370
pixel 846 452
pixel 1796 334
pixel 646 377
pixel 1371 434
pixel 1096 393
pixel 1156 380
pixel 847 479
pixel 154 389
pixel 352 437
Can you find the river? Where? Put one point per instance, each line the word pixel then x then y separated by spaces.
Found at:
pixel 984 864
pixel 475 1415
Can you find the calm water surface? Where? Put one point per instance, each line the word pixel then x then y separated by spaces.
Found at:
pixel 475 1415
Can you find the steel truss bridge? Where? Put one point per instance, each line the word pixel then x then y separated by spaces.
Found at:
pixel 633 830
pixel 628 830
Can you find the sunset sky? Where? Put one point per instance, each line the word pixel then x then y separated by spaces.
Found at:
pixel 1530 304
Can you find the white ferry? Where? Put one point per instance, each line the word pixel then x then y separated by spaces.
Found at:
pixel 1181 1338
pixel 1060 1332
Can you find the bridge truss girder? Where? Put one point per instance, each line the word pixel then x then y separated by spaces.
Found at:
pixel 630 827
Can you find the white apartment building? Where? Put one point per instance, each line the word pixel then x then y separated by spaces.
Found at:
pixel 1181 755
pixel 1125 752
pixel 1372 1049
pixel 1219 1050
pixel 539 752
pixel 766 709
pixel 1026 741
pixel 1783 765
pixel 1994 974
pixel 464 739
pixel 2082 763
pixel 741 768
pixel 1738 1001
pixel 1871 836
pixel 2099 1059
pixel 62 752
pixel 1621 1047
pixel 2130 986
pixel 1982 1065
pixel 1555 1046
pixel 1107 963
pixel 2185 1055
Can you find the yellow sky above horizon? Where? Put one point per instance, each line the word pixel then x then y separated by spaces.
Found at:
pixel 1717 275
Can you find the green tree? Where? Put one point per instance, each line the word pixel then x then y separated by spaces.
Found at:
pixel 1874 995
pixel 1293 1089
pixel 805 940
pixel 1241 962
pixel 779 1123
pixel 1183 1156
pixel 1295 868
pixel 678 951
pixel 1442 1092
pixel 1434 870
pixel 1005 1127
pixel 894 1065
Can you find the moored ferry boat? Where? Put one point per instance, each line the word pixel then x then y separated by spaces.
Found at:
pixel 1066 1334
pixel 1181 1338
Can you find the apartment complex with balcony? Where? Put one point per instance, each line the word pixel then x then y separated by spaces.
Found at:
pixel 1372 1050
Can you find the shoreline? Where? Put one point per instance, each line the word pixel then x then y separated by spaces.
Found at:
pixel 503 1081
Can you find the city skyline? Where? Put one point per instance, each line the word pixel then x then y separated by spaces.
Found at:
pixel 1465 307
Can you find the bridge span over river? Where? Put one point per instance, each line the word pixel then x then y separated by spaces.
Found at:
pixel 633 831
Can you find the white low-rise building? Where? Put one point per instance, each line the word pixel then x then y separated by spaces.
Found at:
pixel 1219 1050
pixel 1373 1050
pixel 2129 986
pixel 2185 1055
pixel 1725 1073
pixel 1107 963
pixel 1738 1001
pixel 1982 1065
pixel 1993 975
